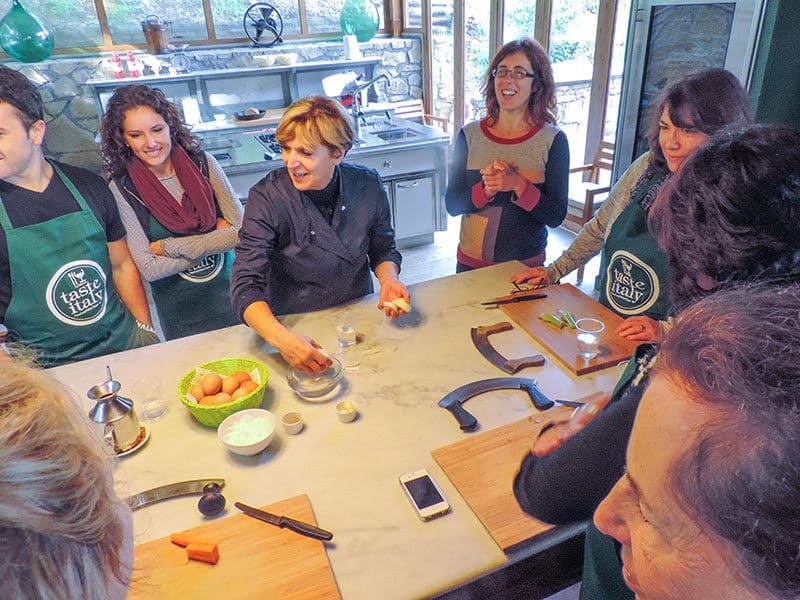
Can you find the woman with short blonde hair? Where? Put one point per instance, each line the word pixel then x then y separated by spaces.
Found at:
pixel 65 533
pixel 312 232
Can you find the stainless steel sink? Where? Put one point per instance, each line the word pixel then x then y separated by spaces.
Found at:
pixel 396 134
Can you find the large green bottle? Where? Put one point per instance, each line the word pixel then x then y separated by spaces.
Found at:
pixel 24 36
pixel 360 18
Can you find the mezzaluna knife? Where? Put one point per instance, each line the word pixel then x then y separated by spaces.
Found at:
pixel 287 522
pixel 171 490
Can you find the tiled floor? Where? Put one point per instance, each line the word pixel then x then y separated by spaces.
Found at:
pixel 439 259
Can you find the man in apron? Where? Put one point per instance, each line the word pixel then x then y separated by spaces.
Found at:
pixel 69 289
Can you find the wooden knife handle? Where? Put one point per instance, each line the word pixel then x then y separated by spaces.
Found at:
pixel 486 330
pixel 517 364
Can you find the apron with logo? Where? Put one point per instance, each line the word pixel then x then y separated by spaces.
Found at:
pixel 196 300
pixel 63 304
pixel 634 271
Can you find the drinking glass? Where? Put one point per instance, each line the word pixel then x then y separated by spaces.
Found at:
pixel 589 331
pixel 149 402
pixel 345 325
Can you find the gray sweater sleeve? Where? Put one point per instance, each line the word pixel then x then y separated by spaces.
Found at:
pixel 194 247
pixel 151 266
pixel 592 237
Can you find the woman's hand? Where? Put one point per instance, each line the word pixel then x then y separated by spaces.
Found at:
pixel 533 275
pixel 222 223
pixel 640 329
pixel 391 289
pixel 559 430
pixel 302 352
pixel 157 248
pixel 500 176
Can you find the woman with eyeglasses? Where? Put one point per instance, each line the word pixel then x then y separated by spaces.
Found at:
pixel 634 271
pixel 510 170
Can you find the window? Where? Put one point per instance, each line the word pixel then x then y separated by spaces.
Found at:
pixel 412 18
pixel 77 24
pixel 74 22
pixel 520 19
pixel 228 15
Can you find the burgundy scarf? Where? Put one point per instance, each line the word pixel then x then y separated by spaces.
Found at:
pixel 195 214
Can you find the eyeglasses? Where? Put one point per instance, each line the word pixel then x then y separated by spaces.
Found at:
pixel 503 72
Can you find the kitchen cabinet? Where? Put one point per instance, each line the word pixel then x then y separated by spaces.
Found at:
pixel 413 213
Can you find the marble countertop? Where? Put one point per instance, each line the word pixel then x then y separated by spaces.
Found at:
pixel 396 374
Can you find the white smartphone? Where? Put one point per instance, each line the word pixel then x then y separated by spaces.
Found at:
pixel 425 495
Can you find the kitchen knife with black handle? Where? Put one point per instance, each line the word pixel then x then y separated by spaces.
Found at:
pixel 287 522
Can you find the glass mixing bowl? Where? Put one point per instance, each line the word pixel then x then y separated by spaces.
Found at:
pixel 315 385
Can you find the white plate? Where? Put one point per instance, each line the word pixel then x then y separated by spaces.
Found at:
pixel 141 443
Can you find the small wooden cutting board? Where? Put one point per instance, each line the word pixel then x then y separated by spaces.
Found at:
pixel 256 560
pixel 483 466
pixel 562 342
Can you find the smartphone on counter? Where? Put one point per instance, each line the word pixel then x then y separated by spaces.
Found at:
pixel 425 496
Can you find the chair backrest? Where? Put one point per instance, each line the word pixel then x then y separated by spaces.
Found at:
pixel 604 159
pixel 414 109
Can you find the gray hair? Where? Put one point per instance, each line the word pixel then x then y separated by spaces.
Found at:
pixel 63 529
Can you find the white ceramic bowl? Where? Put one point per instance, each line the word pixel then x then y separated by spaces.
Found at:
pixel 292 422
pixel 346 411
pixel 248 431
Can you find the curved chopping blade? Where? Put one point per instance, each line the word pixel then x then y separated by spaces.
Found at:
pixel 458 396
pixel 480 337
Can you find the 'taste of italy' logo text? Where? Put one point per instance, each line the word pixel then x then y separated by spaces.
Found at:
pixel 632 286
pixel 76 293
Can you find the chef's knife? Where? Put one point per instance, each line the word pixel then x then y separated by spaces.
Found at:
pixel 516 297
pixel 171 490
pixel 287 522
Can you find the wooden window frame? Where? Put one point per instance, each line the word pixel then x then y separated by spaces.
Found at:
pixel 391 10
pixel 606 19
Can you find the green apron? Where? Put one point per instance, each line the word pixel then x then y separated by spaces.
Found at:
pixel 63 304
pixel 602 569
pixel 634 270
pixel 196 300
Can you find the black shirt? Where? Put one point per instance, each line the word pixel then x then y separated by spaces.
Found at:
pixel 26 207
pixel 325 199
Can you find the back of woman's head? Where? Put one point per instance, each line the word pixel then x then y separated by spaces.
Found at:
pixel 316 120
pixel 709 101
pixel 542 102
pixel 732 211
pixel 116 152
pixel 60 521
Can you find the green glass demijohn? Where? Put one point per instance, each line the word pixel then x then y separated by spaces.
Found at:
pixel 24 36
pixel 360 18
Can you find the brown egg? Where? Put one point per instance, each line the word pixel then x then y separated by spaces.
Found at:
pixel 197 391
pixel 223 398
pixel 212 384
pixel 248 386
pixel 206 400
pixel 230 384
pixel 238 394
pixel 241 376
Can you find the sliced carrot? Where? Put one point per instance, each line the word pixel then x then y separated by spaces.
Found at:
pixel 183 540
pixel 207 553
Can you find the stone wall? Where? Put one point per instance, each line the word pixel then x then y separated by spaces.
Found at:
pixel 73 123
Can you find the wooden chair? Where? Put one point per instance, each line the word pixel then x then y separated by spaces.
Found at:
pixel 415 109
pixel 583 191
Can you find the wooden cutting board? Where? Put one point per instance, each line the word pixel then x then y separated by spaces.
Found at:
pixel 562 343
pixel 482 468
pixel 256 560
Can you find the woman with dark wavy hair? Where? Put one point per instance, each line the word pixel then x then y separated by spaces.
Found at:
pixel 180 212
pixel 729 217
pixel 634 272
pixel 510 170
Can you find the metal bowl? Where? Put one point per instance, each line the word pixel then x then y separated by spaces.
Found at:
pixel 315 385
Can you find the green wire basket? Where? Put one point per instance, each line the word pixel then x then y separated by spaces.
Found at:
pixel 212 416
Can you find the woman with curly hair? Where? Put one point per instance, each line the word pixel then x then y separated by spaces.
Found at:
pixel 510 170
pixel 65 532
pixel 634 271
pixel 180 212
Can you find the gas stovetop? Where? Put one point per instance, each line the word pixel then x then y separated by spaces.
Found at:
pixel 272 149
